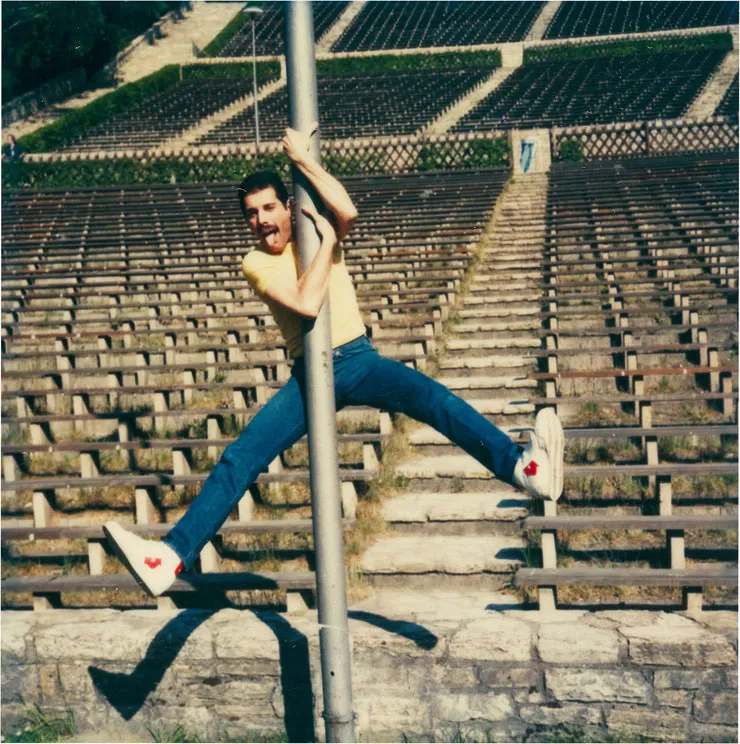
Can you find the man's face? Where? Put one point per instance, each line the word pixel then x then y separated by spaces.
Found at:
pixel 268 219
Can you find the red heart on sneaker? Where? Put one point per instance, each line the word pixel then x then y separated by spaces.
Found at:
pixel 153 562
pixel 531 469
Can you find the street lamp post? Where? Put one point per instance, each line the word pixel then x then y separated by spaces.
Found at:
pixel 252 13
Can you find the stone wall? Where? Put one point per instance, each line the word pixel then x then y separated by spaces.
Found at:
pixel 498 676
pixel 40 98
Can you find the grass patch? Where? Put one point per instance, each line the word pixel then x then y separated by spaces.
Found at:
pixel 389 63
pixel 40 726
pixel 578 734
pixel 627 47
pixel 172 733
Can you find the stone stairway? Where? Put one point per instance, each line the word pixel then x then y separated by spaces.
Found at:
pixel 454 527
pixel 324 44
pixel 200 27
pixel 537 32
pixel 708 100
pixel 451 116
pixel 206 125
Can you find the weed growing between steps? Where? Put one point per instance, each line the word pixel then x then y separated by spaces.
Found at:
pixel 370 524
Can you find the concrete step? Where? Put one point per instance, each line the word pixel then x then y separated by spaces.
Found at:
pixel 485 382
pixel 490 289
pixel 509 275
pixel 497 506
pixel 410 605
pixel 482 373
pixel 446 554
pixel 495 292
pixel 427 436
pixel 517 342
pixel 500 335
pixel 500 361
pixel 501 326
pixel 457 465
pixel 480 309
pixel 485 279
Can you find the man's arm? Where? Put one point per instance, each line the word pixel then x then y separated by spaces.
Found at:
pixel 307 295
pixel 332 193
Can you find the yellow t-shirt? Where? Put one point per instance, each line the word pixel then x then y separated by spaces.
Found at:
pixel 260 268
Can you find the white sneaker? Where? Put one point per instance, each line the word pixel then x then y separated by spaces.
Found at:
pixel 540 468
pixel 153 564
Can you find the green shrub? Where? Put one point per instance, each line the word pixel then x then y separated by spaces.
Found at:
pixel 470 154
pixel 628 47
pixel 209 169
pixel 407 62
pixel 130 171
pixel 266 71
pixel 571 151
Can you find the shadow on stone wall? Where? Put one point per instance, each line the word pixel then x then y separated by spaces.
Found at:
pixel 127 692
pixel 422 637
pixel 295 677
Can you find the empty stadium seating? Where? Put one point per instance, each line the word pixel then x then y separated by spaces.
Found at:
pixel 163 116
pixel 360 106
pixel 639 316
pixel 150 275
pixel 577 18
pixel 591 91
pixel 268 29
pixel 406 25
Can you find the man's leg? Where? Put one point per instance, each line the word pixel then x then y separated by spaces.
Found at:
pixel 279 424
pixel 155 564
pixel 367 378
pixel 371 379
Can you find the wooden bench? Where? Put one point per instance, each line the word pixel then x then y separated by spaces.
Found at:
pixel 47 592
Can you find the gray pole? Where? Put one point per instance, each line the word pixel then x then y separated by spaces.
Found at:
pixel 254 90
pixel 322 432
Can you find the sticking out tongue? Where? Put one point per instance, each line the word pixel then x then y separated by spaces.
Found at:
pixel 272 237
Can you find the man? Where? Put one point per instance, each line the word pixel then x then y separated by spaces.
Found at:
pixel 362 377
pixel 12 150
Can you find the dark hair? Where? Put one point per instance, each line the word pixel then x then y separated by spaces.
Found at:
pixel 259 181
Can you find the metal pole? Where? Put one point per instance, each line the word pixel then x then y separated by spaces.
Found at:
pixel 254 91
pixel 322 433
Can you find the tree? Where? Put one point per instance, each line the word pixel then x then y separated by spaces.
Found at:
pixel 42 40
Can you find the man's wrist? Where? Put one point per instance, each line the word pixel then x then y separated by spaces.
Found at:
pixel 305 160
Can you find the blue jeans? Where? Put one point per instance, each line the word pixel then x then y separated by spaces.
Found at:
pixel 361 377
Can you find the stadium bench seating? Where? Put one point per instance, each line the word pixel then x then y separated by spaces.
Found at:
pixel 407 25
pixel 268 29
pixel 359 106
pixel 592 91
pixel 578 18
